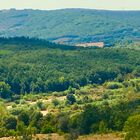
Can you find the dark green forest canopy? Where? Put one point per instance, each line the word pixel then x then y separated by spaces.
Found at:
pixel 44 69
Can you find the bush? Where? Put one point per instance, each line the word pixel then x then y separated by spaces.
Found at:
pixel 73 135
pixel 22 101
pixel 59 94
pixel 24 117
pixel 103 127
pixel 55 102
pixel 47 129
pixel 10 122
pixel 137 87
pixel 114 85
pixel 105 96
pixel 71 99
pixel 41 105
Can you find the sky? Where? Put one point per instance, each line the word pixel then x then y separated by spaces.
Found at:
pixel 61 4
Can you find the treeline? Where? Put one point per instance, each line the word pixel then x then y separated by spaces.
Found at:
pixel 32 43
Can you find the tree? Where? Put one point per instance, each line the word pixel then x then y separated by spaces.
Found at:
pixel 47 128
pixel 36 119
pixel 3 113
pixel 63 123
pixel 4 90
pixel 41 105
pixel 24 117
pixel 103 127
pixel 89 119
pixel 47 124
pixel 55 102
pixel 10 122
pixel 71 99
pixel 73 135
pixel 132 128
pixel 24 131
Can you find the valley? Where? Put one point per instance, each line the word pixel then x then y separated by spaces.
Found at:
pixel 69 74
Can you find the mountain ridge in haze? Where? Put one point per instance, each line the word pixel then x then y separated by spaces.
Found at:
pixel 71 26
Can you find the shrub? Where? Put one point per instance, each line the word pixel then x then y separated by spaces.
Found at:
pixel 114 85
pixel 103 127
pixel 55 102
pixel 41 105
pixel 105 96
pixel 24 117
pixel 71 99
pixel 22 101
pixel 10 122
pixel 47 129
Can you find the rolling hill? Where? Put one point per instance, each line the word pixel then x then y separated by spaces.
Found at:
pixel 72 26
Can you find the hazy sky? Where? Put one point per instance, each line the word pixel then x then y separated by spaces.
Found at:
pixel 58 4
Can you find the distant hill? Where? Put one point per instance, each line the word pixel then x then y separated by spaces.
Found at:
pixel 72 25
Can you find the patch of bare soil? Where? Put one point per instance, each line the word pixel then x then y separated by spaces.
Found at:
pixel 101 137
pixel 53 136
pixel 44 112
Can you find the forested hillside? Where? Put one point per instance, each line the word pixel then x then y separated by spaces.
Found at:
pixel 30 67
pixel 72 25
pixel 47 88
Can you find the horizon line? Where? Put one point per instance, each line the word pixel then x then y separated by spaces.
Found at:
pixel 55 9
